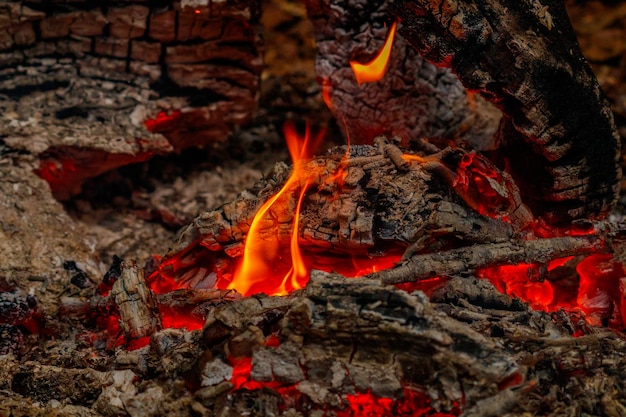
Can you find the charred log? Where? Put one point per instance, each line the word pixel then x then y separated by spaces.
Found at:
pixel 523 56
pixel 93 86
pixel 457 261
pixel 415 98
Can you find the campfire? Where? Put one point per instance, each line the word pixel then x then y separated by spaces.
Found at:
pixel 443 239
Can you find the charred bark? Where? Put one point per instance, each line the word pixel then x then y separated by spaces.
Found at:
pixel 93 86
pixel 562 144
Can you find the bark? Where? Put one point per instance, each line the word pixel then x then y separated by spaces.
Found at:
pixel 93 86
pixel 523 56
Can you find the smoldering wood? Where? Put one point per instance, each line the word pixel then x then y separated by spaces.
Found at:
pixel 80 81
pixel 179 300
pixel 355 206
pixel 523 57
pixel 456 261
pixel 414 99
pixel 352 332
pixel 364 314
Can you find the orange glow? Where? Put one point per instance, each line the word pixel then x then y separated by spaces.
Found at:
pixel 515 281
pixel 259 266
pixel 599 294
pixel 376 68
pixel 180 319
pixel 163 121
pixel 595 286
pixel 326 87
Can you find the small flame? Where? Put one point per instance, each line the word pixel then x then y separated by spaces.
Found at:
pixel 376 68
pixel 260 251
pixel 326 88
pixel 297 275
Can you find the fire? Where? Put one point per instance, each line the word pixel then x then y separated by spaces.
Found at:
pixel 376 68
pixel 258 267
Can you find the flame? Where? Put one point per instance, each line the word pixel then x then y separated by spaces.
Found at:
pixel 326 88
pixel 376 68
pixel 261 252
pixel 298 274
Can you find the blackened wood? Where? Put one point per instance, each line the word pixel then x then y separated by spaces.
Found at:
pixel 359 206
pixel 414 99
pixel 523 56
pixel 339 335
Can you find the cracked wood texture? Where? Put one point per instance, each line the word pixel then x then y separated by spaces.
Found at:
pixel 470 350
pixel 91 86
pixel 560 138
pixel 414 99
pixel 343 336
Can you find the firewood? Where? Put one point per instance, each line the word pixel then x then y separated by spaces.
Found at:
pixel 89 87
pixel 350 334
pixel 562 144
pixel 376 206
pixel 467 259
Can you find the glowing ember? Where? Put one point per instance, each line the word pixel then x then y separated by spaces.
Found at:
pixel 258 266
pixel 412 403
pixel 592 285
pixel 515 280
pixel 163 121
pixel 376 68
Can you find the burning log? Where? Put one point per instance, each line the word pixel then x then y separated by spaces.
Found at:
pixel 89 87
pixel 418 98
pixel 524 57
pixel 371 204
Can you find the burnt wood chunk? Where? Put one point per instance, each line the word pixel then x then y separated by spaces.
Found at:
pixel 139 316
pixel 560 138
pixel 367 205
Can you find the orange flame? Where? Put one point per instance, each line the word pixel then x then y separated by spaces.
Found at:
pixel 261 251
pixel 326 87
pixel 376 68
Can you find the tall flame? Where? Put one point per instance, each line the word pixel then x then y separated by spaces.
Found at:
pixel 261 252
pixel 376 68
